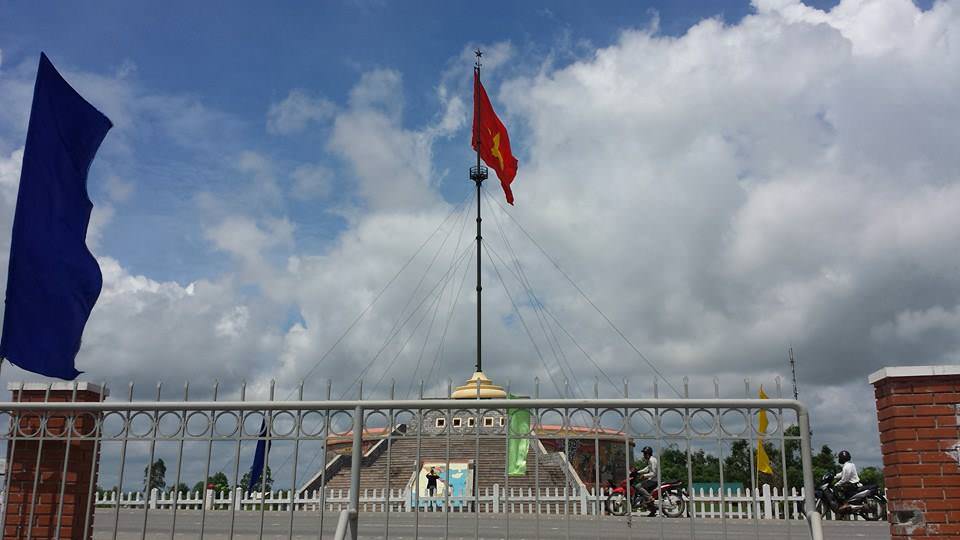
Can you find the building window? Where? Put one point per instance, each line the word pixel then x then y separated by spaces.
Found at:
pixel 487 421
pixel 441 422
pixel 471 422
pixel 503 421
pixel 457 422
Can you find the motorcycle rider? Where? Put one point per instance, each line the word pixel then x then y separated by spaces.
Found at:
pixel 648 479
pixel 848 480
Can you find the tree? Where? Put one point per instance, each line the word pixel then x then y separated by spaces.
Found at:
pixel 267 481
pixel 153 475
pixel 182 489
pixel 218 482
pixel 824 463
pixel 673 465
pixel 872 475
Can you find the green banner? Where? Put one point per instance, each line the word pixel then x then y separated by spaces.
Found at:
pixel 518 443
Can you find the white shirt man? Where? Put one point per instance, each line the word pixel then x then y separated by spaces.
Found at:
pixel 650 471
pixel 848 475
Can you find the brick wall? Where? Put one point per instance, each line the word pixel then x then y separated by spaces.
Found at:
pixel 42 462
pixel 918 411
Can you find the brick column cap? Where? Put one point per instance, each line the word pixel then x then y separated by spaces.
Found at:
pixel 898 372
pixel 82 386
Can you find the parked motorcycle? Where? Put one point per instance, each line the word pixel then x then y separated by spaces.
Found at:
pixel 673 505
pixel 867 502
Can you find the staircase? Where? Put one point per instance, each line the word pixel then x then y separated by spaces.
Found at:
pixel 402 457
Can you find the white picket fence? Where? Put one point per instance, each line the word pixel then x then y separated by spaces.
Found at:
pixel 766 503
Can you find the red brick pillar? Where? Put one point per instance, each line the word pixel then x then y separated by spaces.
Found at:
pixel 82 465
pixel 918 409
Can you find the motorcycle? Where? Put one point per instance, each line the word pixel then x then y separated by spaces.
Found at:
pixel 867 502
pixel 673 504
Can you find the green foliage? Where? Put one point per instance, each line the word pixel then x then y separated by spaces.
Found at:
pixel 218 481
pixel 872 475
pixel 153 476
pixel 737 464
pixel 267 481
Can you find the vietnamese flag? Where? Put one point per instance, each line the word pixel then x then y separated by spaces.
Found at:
pixel 490 138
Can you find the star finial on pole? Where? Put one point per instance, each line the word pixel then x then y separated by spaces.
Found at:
pixel 478 54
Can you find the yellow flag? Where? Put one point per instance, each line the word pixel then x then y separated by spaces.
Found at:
pixel 763 462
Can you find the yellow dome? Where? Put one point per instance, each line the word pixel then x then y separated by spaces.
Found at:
pixel 488 390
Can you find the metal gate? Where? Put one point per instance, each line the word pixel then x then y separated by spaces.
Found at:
pixel 60 457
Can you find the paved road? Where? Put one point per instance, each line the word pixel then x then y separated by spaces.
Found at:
pixel 306 525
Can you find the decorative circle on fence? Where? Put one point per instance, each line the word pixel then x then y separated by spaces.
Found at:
pixel 316 419
pixel 169 424
pixel 614 418
pixel 550 417
pixel 344 418
pixel 733 418
pixel 140 425
pixel 30 425
pixel 641 423
pixel 85 418
pixel 251 422
pixel 281 419
pixel 225 424
pixel 703 418
pixel 773 423
pixel 114 425
pixel 57 426
pixel 375 422
pixel 673 418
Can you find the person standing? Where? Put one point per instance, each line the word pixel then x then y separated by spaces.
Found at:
pixel 432 478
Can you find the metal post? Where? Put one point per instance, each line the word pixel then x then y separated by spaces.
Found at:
pixel 813 517
pixel 355 458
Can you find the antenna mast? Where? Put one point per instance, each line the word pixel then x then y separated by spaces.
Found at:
pixel 793 372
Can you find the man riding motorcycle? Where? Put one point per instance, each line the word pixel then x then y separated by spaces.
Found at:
pixel 647 477
pixel 848 480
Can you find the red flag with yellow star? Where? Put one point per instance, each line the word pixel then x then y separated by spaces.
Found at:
pixel 490 138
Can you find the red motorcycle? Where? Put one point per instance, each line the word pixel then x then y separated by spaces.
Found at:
pixel 673 505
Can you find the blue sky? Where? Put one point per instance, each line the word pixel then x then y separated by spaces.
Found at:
pixel 238 58
pixel 725 179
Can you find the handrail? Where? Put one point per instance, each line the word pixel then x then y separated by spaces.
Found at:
pixel 427 404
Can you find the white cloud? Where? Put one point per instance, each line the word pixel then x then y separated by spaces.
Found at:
pixel 260 169
pixel 296 112
pixel 311 181
pixel 117 189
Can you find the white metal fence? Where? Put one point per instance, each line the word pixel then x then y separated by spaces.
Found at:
pixel 768 504
pixel 42 435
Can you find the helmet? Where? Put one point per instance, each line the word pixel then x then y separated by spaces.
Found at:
pixel 843 457
pixel 647 451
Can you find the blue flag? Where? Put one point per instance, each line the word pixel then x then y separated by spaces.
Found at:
pixel 53 281
pixel 259 456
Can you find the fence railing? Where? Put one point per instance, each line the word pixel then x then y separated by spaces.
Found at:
pixel 769 504
pixel 55 449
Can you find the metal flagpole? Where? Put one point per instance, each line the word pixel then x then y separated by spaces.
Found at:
pixel 478 174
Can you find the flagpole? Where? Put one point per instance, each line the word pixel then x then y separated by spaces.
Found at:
pixel 478 175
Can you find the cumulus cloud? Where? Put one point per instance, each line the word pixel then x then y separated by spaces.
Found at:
pixel 311 181
pixel 392 165
pixel 296 112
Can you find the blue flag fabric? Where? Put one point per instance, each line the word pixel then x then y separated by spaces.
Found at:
pixel 259 456
pixel 53 281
